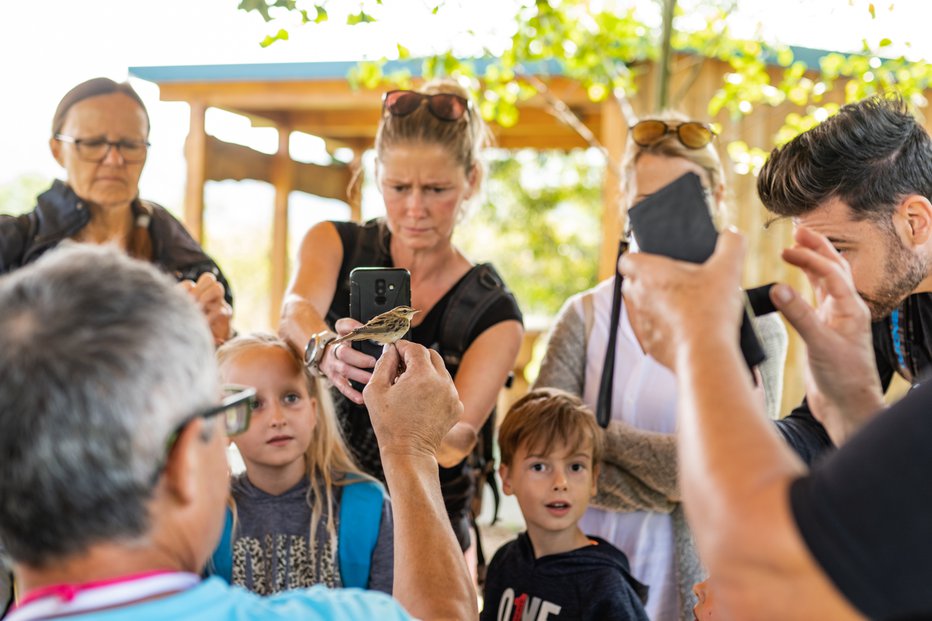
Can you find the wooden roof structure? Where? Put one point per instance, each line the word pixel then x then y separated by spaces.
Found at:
pixel 317 99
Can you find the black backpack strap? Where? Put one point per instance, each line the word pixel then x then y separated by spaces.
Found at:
pixel 477 292
pixel 364 245
pixel 480 288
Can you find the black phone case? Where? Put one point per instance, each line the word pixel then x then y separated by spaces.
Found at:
pixel 675 222
pixel 374 290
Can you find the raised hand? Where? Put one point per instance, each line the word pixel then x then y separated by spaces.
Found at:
pixel 842 386
pixel 411 399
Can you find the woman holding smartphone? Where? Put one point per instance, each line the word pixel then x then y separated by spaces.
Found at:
pixel 637 506
pixel 427 167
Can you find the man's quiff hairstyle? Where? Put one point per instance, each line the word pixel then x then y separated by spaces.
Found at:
pixel 547 416
pixel 101 357
pixel 870 155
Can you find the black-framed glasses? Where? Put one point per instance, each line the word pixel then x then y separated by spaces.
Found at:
pixel 444 106
pixel 691 134
pixel 96 149
pixel 236 407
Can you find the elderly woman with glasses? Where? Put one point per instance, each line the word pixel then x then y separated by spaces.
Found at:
pixel 427 167
pixel 100 137
pixel 637 506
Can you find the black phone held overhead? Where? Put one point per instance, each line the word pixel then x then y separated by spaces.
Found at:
pixel 673 222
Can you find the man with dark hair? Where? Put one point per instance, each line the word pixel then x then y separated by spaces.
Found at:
pixel 863 178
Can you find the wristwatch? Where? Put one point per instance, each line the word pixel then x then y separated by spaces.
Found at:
pixel 314 351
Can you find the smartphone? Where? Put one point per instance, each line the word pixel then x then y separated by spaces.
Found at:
pixel 675 222
pixel 374 290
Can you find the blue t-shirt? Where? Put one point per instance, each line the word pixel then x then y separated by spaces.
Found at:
pixel 215 600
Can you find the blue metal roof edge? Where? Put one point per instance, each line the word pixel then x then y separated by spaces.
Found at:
pixel 339 69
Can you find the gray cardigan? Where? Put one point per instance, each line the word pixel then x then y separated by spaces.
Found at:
pixel 639 468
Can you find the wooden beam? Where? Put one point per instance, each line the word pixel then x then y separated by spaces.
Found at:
pixel 283 180
pixel 271 95
pixel 613 139
pixel 195 149
pixel 234 161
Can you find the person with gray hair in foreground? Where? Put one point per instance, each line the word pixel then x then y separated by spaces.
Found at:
pixel 113 472
pixel 848 539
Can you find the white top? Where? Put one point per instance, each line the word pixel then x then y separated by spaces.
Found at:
pixel 645 396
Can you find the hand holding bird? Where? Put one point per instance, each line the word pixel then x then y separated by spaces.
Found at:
pixel 384 329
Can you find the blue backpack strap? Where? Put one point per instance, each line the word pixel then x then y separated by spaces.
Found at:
pixel 221 562
pixel 360 519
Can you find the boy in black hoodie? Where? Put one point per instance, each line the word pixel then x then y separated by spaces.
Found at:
pixel 551 446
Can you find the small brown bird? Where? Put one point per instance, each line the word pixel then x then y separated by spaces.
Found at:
pixel 384 329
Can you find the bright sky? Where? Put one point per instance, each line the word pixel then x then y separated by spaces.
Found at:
pixel 48 46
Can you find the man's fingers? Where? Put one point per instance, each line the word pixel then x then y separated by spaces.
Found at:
pixel 817 242
pixel 796 310
pixel 437 360
pixel 822 271
pixel 386 368
pixel 415 356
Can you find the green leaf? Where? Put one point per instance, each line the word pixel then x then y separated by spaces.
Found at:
pixel 785 57
pixel 281 35
pixel 259 6
pixel 885 42
pixel 359 18
pixel 435 9
pixel 321 14
pixel 403 52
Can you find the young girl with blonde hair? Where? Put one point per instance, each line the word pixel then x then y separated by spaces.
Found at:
pixel 302 513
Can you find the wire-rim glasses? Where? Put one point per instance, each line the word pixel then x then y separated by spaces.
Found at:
pixel 96 149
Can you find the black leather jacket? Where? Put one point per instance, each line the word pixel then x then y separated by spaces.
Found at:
pixel 60 214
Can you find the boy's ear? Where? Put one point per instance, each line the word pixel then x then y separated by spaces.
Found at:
pixel 506 479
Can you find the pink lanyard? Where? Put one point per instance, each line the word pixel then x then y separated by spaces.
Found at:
pixel 70 599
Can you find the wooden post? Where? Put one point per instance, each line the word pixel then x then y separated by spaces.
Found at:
pixel 613 138
pixel 354 192
pixel 283 181
pixel 195 153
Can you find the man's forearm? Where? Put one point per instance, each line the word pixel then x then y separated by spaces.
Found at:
pixel 728 449
pixel 431 578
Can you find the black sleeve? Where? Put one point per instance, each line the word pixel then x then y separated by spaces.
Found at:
pixel 504 309
pixel 804 433
pixel 865 512
pixel 612 599
pixel 14 231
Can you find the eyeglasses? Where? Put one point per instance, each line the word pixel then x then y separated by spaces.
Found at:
pixel 444 106
pixel 96 149
pixel 691 134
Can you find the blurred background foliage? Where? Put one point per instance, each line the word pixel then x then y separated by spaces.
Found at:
pixel 539 223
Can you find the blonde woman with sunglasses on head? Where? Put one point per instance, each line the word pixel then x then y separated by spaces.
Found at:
pixel 427 168
pixel 637 506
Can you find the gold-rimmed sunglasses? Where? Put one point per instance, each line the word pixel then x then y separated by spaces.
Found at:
pixel 691 134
